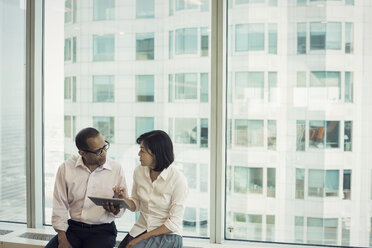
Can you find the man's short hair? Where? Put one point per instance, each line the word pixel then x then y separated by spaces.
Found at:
pixel 159 143
pixel 83 135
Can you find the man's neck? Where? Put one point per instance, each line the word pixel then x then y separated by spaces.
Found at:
pixel 91 167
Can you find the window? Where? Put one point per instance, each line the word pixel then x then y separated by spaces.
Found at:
pixel 325 36
pixel 270 227
pixel 145 88
pixel 249 85
pixel 204 87
pixel 170 88
pixel 249 37
pixel 348 136
pixel 182 5
pixel 349 37
pixel 70 126
pixel 272 84
pixel 322 231
pixel 189 220
pixel 145 8
pixel 349 2
pixel 300 183
pixel 248 180
pixel 271 182
pixel 299 229
pixel 204 42
pixel 170 47
pixel 103 10
pixel 332 183
pixel 144 125
pixel 70 49
pixel 349 86
pixel 186 86
pixel 347 185
pixel 106 126
pixel 301 2
pixel 190 172
pixel 171 7
pixel 185 131
pixel 186 41
pixel 300 135
pixel 145 46
pixel 249 133
pixel 203 132
pixel 301 38
pixel 316 183
pixel 325 85
pixel 248 1
pixel 70 88
pixel 104 47
pixel 271 134
pixel 70 11
pixel 103 89
pixel 273 39
pixel 345 231
pixel 204 7
pixel 204 174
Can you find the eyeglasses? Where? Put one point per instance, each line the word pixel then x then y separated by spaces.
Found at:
pixel 99 151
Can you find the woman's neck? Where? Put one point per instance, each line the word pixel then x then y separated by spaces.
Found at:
pixel 154 174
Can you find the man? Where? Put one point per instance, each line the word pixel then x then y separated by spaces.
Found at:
pixel 89 174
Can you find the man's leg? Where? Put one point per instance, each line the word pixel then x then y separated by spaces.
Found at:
pixel 72 238
pixel 103 236
pixel 53 243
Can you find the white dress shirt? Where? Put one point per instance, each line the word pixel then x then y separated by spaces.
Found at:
pixel 159 202
pixel 75 182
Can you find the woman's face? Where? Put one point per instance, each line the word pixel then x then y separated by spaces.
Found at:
pixel 146 157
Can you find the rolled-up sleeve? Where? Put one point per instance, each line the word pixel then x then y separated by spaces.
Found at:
pixel 177 209
pixel 60 201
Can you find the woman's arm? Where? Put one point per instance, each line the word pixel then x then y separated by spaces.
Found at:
pixel 120 192
pixel 156 232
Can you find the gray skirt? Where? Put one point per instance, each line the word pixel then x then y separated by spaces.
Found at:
pixel 163 241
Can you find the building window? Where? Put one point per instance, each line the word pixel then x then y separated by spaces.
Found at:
pixel 316 183
pixel 345 241
pixel 104 47
pixel 273 38
pixel 300 183
pixel 349 86
pixel 332 183
pixel 237 2
pixel 70 49
pixel 204 42
pixel 325 36
pixel 248 180
pixel 186 41
pixel 145 9
pixel 70 126
pixel 204 7
pixel 170 88
pixel 301 79
pixel 250 37
pixel 348 136
pixel 170 45
pixel 70 11
pixel 249 133
pixel 301 38
pixel 300 135
pixel 249 85
pixel 204 87
pixel 324 134
pixel 145 46
pixel 185 131
pixel 103 89
pixel 322 231
pixel 272 86
pixel 347 185
pixel 103 10
pixel 182 5
pixel 325 82
pixel 70 89
pixel 271 182
pixel 203 132
pixel 203 222
pixel 204 175
pixel 186 86
pixel 145 88
pixel 299 229
pixel 189 220
pixel 144 125
pixel 190 172
pixel 271 135
pixel 171 7
pixel 349 2
pixel 270 227
pixel 106 126
pixel 349 37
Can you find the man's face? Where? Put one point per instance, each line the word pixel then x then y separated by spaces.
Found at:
pixel 95 144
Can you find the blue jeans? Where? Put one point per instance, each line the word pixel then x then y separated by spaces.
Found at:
pixel 81 235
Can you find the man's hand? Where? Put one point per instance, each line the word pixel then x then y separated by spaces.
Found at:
pixel 110 207
pixel 133 242
pixel 62 240
pixel 119 192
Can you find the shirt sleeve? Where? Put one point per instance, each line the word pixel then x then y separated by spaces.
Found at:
pixel 122 183
pixel 134 195
pixel 180 192
pixel 60 201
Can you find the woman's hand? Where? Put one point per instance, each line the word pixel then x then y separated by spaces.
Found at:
pixel 119 192
pixel 133 242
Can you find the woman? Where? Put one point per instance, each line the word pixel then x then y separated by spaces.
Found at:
pixel 159 193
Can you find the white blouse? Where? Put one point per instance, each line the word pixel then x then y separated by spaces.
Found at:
pixel 159 202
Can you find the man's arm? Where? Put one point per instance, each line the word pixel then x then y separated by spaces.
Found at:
pixel 62 240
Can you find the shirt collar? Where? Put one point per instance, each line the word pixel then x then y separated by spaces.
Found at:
pixel 80 162
pixel 164 174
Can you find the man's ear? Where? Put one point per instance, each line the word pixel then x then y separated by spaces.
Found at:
pixel 81 153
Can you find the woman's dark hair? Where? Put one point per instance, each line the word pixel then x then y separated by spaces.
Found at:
pixel 159 143
pixel 83 135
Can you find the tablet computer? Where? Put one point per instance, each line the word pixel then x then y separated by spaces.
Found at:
pixel 99 201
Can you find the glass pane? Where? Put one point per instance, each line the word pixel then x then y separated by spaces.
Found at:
pixel 145 46
pixel 103 10
pixel 12 110
pixel 301 38
pixel 103 88
pixel 144 88
pixel 103 47
pixel 145 8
